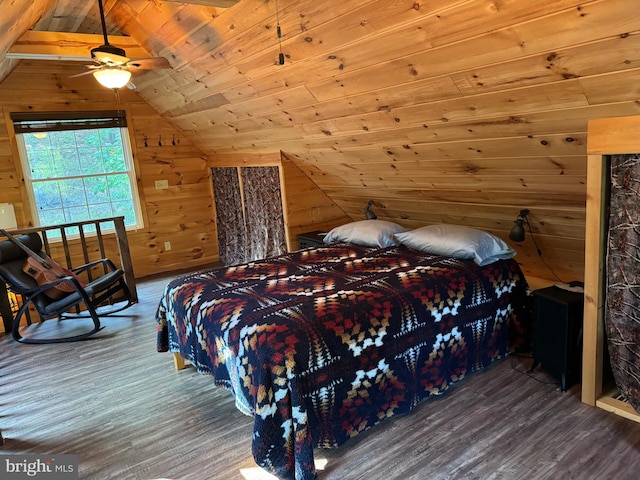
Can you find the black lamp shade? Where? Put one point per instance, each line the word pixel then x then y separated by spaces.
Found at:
pixel 368 213
pixel 517 232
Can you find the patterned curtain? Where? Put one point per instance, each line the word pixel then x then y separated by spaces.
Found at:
pixel 230 220
pixel 622 319
pixel 263 210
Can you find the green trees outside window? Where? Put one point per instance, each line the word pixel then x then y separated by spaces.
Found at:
pixel 77 175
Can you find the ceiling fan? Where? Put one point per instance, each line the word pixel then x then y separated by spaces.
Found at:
pixel 113 69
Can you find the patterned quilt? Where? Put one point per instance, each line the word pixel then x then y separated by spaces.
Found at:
pixel 321 344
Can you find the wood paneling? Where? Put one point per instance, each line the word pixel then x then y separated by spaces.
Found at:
pixel 181 214
pixel 68 46
pixel 608 136
pixel 308 207
pixel 458 111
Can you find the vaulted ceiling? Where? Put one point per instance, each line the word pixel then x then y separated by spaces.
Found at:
pixel 462 111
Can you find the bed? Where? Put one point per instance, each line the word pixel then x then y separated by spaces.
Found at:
pixel 321 344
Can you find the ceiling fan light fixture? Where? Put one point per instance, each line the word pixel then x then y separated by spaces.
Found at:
pixel 113 78
pixel 109 57
pixel 109 53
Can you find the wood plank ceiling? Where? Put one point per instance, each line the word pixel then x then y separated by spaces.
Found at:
pixel 462 111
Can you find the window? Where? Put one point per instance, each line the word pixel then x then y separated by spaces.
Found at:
pixel 78 166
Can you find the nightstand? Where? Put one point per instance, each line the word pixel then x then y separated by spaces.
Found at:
pixel 310 239
pixel 557 333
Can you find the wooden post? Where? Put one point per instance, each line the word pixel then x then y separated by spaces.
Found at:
pixel 594 247
pixel 125 256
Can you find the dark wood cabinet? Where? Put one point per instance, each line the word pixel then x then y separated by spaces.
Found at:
pixel 557 333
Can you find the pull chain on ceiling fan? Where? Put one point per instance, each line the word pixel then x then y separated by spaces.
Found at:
pixel 114 69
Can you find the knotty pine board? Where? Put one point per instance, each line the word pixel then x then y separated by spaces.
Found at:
pixel 477 49
pixel 623 52
pixel 176 214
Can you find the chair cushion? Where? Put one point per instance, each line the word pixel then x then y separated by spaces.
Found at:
pixel 95 287
pixel 10 251
pixel 13 258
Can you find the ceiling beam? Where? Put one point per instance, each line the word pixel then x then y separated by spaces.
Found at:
pixel 36 45
pixel 209 3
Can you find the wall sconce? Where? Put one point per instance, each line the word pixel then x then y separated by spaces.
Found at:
pixel 517 235
pixel 517 232
pixel 368 213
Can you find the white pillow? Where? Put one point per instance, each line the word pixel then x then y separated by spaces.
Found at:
pixel 457 241
pixel 370 233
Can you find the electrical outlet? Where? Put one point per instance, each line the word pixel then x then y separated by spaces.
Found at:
pixel 162 184
pixel 167 246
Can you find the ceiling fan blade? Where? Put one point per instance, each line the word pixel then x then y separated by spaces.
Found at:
pixel 88 72
pixel 154 63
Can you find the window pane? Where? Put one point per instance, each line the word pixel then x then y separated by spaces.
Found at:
pixel 76 214
pixel 96 189
pixel 72 192
pixel 66 162
pixel 47 195
pixel 119 187
pixel 37 141
pixel 61 139
pixel 41 162
pixel 110 137
pixel 112 151
pixel 91 160
pixel 125 209
pixel 51 217
pixel 80 175
pixel 101 210
pixel 87 138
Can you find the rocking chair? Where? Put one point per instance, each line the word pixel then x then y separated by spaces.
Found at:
pixel 92 295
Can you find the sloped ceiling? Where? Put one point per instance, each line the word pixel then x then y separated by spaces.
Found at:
pixel 462 111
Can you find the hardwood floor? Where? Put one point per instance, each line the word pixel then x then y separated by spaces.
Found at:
pixel 120 405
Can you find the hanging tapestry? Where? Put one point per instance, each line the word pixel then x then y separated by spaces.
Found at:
pixel 622 319
pixel 230 222
pixel 263 210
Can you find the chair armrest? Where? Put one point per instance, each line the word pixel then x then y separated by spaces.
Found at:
pixel 87 266
pixel 46 286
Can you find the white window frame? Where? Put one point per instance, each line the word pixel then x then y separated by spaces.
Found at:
pixel 130 171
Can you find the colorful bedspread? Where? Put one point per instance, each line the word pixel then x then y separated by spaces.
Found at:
pixel 321 344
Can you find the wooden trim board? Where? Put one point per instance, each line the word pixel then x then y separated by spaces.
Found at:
pixel 606 136
pixel 612 404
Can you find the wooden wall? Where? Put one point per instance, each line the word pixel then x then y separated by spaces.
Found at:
pixel 457 111
pixel 182 214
